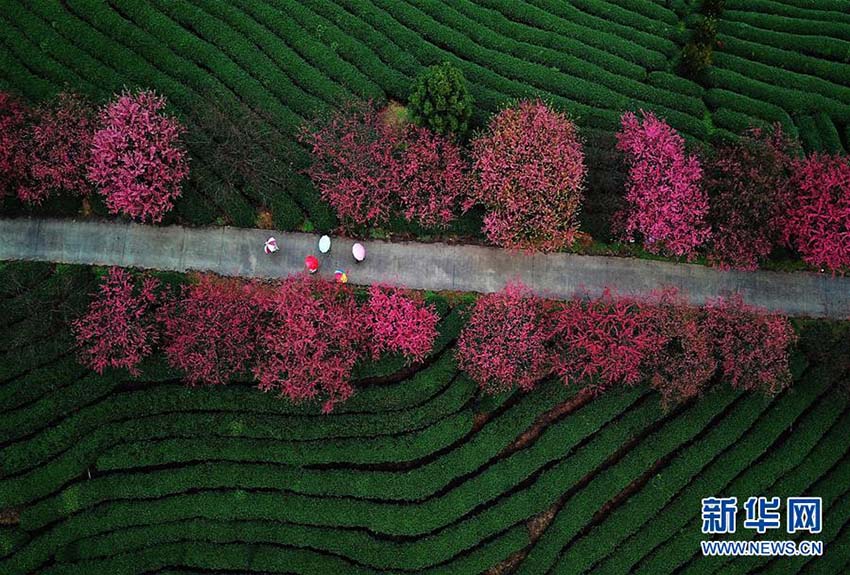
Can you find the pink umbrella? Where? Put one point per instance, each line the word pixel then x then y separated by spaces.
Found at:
pixel 359 252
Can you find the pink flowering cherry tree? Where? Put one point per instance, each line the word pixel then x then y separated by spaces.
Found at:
pixel 529 175
pixel 504 343
pixel 14 162
pixel 119 328
pixel 752 346
pixel 604 342
pixel 209 331
pixel 310 340
pixel 369 166
pixel 138 160
pixel 400 323
pixel 666 205
pixel 818 221
pixel 60 147
pixel 749 195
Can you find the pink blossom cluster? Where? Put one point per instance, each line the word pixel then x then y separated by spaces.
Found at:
pixel 13 158
pixel 603 342
pixel 209 329
pixel 60 148
pixel 515 339
pixel 119 328
pixel 300 337
pixel 818 221
pixel 138 160
pixel 400 323
pixel 666 205
pixel 749 191
pixel 529 175
pixel 504 342
pixel 368 167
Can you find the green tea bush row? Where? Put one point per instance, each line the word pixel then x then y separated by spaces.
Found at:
pixel 300 90
pixel 274 26
pixel 553 39
pixel 795 93
pixel 670 555
pixel 241 505
pixel 697 460
pixel 684 509
pixel 213 556
pixel 835 27
pixel 404 447
pixel 91 423
pixel 573 66
pixel 647 16
pixel 620 34
pixel 744 44
pixel 675 429
pixel 417 484
pixel 360 545
pixel 764 111
pixel 817 426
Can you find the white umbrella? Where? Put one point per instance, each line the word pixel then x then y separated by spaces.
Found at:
pixel 325 244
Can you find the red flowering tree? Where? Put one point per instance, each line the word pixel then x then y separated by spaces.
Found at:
pixel 504 342
pixel 818 222
pixel 60 144
pixel 433 177
pixel 13 157
pixel 530 173
pixel 604 341
pixel 353 162
pixel 368 166
pixel 210 330
pixel 119 329
pixel 138 160
pixel 311 338
pixel 748 185
pixel 752 346
pixel 665 203
pixel 684 364
pixel 400 323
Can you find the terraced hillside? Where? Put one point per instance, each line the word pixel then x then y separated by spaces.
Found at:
pixel 418 473
pixel 781 60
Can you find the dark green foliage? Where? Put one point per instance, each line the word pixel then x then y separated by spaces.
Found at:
pixel 712 8
pixel 698 53
pixel 440 100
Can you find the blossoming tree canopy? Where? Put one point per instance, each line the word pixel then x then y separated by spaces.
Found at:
pixel 818 222
pixel 13 161
pixel 752 346
pixel 666 205
pixel 750 195
pixel 310 340
pixel 119 328
pixel 604 341
pixel 504 342
pixel 60 147
pixel 210 329
pixel 138 160
pixel 369 166
pixel 400 323
pixel 530 170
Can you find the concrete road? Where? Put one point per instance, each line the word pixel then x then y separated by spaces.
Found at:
pixel 239 252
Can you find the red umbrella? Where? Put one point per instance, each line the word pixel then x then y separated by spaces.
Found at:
pixel 312 264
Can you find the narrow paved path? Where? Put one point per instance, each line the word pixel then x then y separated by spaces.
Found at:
pixel 239 252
